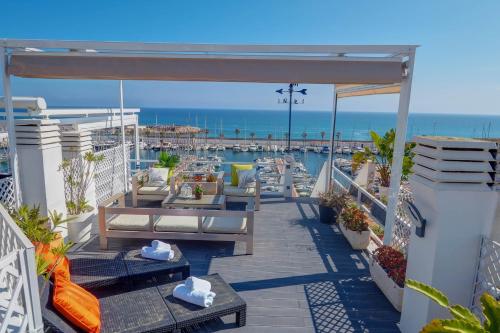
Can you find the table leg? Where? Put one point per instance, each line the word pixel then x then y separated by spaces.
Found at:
pixel 241 318
pixel 186 272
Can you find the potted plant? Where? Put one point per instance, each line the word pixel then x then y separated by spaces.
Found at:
pixel 211 178
pixel 385 147
pixel 198 192
pixel 354 226
pixel 78 174
pixel 40 230
pixel 462 319
pixel 388 270
pixel 331 204
pixel 167 162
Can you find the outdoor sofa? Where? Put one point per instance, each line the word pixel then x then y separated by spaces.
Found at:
pixel 152 309
pixel 175 224
pixel 143 189
pixel 234 193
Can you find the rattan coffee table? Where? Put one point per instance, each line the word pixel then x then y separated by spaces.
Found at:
pixel 97 269
pixel 226 302
pixel 207 201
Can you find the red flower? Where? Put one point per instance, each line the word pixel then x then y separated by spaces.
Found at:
pixel 393 262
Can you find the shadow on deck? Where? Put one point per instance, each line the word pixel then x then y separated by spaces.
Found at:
pixel 303 276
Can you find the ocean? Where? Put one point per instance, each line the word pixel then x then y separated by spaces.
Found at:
pixel 350 125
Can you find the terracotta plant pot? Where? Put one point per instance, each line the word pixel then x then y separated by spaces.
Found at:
pixel 358 240
pixel 389 288
pixel 327 215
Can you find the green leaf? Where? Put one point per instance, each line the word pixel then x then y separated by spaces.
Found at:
pixel 462 313
pixel 491 311
pixel 429 291
pixel 461 326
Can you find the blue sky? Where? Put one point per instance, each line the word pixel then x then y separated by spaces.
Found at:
pixel 457 66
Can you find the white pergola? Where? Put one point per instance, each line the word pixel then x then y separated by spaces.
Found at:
pixel 353 70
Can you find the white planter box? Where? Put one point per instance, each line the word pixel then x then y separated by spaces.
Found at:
pixel 358 241
pixel 391 290
pixel 80 226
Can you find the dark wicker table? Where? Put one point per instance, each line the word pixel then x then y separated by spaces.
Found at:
pixel 143 268
pixel 226 302
pixel 97 269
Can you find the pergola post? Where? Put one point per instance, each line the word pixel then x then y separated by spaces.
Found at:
pixel 9 110
pixel 136 140
pixel 125 178
pixel 329 172
pixel 399 147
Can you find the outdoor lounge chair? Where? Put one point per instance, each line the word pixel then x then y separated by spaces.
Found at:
pixel 173 224
pixel 142 310
pixel 235 194
pixel 143 189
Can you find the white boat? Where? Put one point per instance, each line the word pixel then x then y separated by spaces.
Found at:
pixel 282 149
pixel 260 148
pixel 274 148
pixel 244 148
pixel 220 148
pixel 212 148
pixel 325 150
pixel 338 150
pixel 303 149
pixel 236 147
pixel 252 147
pixel 346 150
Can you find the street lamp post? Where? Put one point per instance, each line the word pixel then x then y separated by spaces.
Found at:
pixel 290 92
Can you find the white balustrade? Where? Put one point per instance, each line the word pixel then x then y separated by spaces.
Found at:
pixel 19 298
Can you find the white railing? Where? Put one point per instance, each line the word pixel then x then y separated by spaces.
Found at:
pixel 401 230
pixel 108 176
pixel 488 273
pixel 19 299
pixel 7 197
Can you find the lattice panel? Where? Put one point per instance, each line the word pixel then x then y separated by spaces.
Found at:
pixel 401 229
pixel 7 197
pixel 11 279
pixel 109 173
pixel 488 274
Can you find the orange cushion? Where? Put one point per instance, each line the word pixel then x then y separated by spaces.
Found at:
pixel 57 265
pixel 77 305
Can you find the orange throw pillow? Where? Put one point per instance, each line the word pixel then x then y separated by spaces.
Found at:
pixel 58 265
pixel 77 305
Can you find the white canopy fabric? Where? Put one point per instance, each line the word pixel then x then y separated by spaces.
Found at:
pixel 209 69
pixel 352 90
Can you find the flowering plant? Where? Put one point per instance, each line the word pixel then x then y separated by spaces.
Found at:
pixel 393 262
pixel 354 219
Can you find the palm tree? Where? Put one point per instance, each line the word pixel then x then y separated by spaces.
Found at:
pixel 269 138
pixel 237 132
pixel 252 135
pixel 304 137
pixel 322 136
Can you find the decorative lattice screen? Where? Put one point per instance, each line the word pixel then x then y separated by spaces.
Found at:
pixel 16 301
pixel 109 173
pixel 7 192
pixel 401 230
pixel 488 273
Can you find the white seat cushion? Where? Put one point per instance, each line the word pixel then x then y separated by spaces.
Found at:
pixel 225 225
pixel 129 222
pixel 235 191
pixel 176 223
pixel 158 174
pixel 154 190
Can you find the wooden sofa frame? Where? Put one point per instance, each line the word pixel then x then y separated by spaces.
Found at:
pixel 248 199
pixel 105 233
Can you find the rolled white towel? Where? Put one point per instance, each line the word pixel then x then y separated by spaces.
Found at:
pixel 156 244
pixel 157 254
pixel 197 297
pixel 194 283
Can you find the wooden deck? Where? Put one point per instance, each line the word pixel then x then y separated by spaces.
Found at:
pixel 303 276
